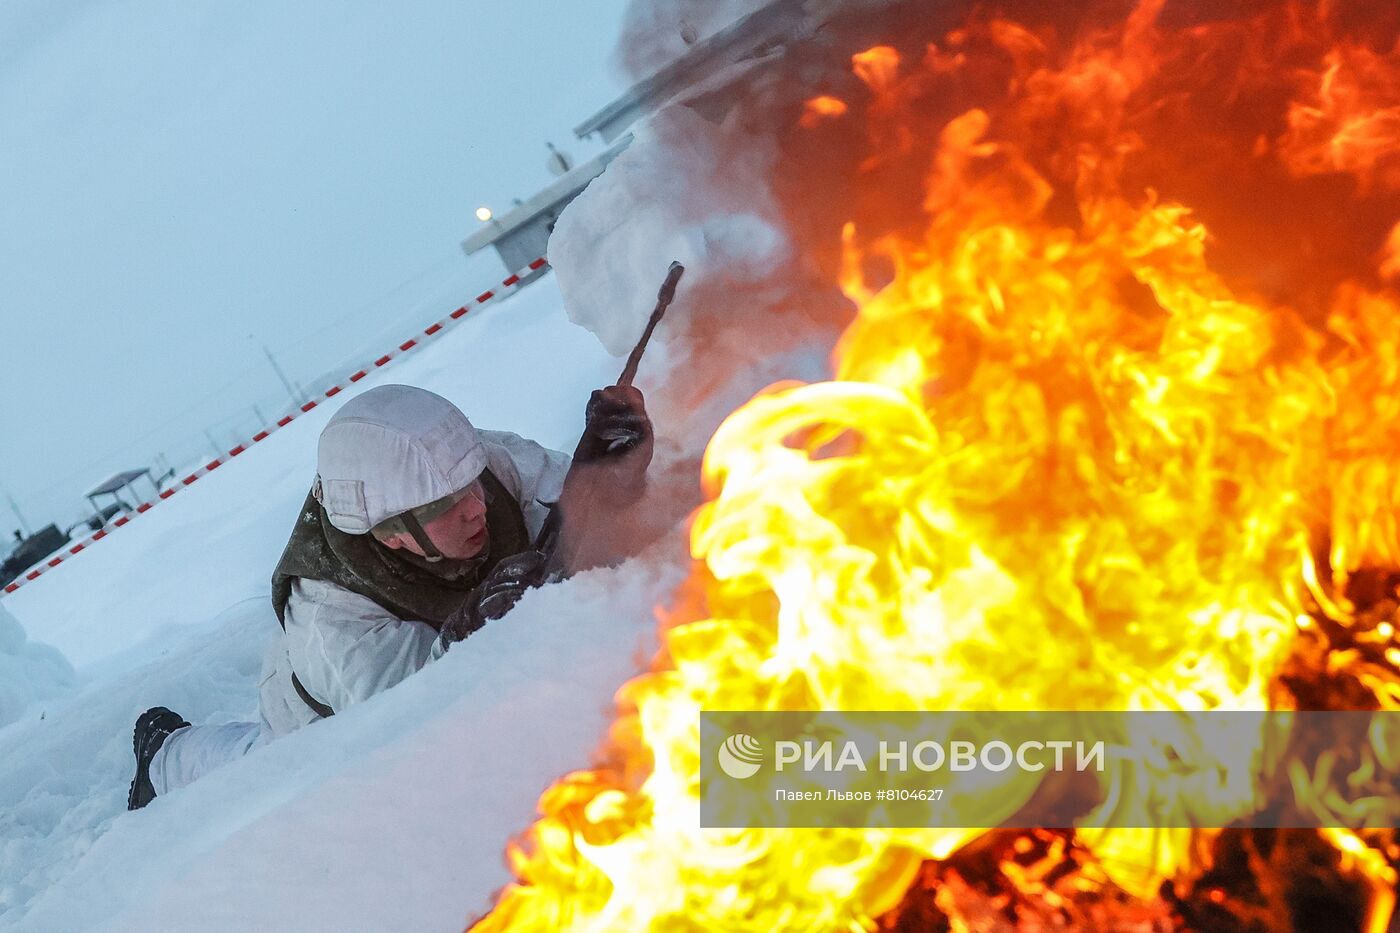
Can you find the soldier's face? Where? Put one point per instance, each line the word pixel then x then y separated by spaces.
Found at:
pixel 460 532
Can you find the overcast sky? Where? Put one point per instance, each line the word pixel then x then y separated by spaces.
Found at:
pixel 177 175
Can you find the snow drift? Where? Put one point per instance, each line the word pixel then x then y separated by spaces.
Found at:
pixel 439 772
pixel 396 813
pixel 29 671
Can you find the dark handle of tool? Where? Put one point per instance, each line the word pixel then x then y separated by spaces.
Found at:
pixel 663 301
pixel 623 438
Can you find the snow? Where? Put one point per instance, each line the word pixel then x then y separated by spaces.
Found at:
pixel 439 772
pixel 678 192
pixel 393 814
pixel 699 192
pixel 396 813
pixel 29 672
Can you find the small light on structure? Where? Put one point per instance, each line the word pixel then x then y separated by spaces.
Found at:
pixel 483 214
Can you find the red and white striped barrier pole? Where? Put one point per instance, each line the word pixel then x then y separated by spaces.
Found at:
pixel 507 287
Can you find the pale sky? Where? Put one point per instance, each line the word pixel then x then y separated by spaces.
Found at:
pixel 176 175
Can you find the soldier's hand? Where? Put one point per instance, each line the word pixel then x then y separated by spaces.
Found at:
pixel 616 425
pixel 495 596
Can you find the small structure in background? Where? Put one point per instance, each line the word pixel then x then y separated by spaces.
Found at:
pixel 521 235
pixel 28 551
pixel 113 486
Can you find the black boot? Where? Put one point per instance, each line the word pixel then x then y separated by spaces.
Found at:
pixel 153 727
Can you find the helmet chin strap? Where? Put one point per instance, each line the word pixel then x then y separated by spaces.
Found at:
pixel 415 530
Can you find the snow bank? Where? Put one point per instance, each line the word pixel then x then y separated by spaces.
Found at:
pixel 174 610
pixel 28 671
pixel 63 778
pixel 393 815
pixel 680 191
pixel 696 191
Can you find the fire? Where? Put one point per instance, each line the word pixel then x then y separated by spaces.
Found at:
pixel 1066 461
pixel 822 107
pixel 1349 121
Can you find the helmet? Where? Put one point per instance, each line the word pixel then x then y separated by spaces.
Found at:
pixel 392 449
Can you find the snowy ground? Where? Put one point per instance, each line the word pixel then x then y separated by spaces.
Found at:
pixel 393 815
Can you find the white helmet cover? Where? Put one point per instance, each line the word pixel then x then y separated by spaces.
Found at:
pixel 391 449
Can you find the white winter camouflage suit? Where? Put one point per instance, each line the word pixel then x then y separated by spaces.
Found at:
pixel 345 647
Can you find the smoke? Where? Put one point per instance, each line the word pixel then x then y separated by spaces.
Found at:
pixel 761 192
pixel 656 33
pixel 1294 169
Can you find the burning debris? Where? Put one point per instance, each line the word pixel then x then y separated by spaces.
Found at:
pixel 1114 426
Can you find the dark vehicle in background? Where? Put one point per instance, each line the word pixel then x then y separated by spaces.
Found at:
pixel 50 538
pixel 30 551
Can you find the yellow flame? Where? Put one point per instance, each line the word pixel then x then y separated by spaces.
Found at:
pixel 1105 513
pixel 1057 468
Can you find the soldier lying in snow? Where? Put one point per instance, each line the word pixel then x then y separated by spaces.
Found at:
pixel 418 529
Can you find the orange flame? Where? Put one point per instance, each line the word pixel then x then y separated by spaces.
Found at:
pixel 878 67
pixel 819 109
pixel 1065 463
pixel 1350 121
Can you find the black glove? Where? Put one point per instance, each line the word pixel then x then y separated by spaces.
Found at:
pixel 616 423
pixel 495 596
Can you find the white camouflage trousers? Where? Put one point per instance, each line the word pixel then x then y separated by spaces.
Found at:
pixel 194 751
